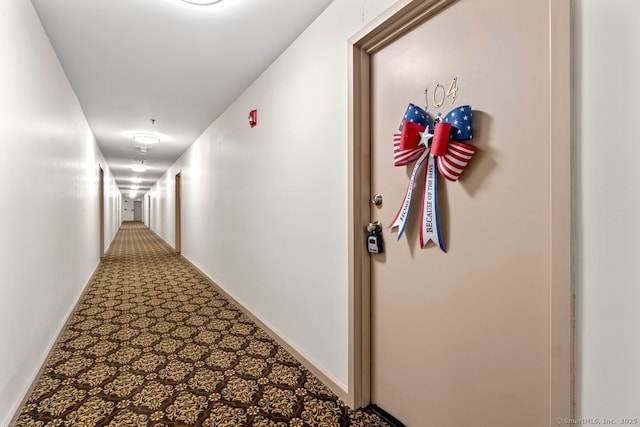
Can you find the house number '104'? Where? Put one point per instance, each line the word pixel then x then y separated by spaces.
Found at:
pixel 439 94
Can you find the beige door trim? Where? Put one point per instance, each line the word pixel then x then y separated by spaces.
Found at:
pixel 562 403
pixel 398 20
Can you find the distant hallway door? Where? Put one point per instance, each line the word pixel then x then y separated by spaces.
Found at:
pixel 178 234
pixel 137 210
pixel 101 208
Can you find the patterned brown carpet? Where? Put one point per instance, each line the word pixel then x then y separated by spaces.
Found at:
pixel 151 343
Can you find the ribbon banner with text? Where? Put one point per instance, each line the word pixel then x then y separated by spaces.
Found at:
pixel 436 143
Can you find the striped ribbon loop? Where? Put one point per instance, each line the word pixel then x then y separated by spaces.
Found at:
pixel 404 157
pixel 453 163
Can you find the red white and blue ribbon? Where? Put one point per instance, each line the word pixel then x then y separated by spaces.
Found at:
pixel 438 143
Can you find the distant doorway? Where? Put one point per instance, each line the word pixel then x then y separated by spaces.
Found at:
pixel 149 211
pixel 178 236
pixel 137 210
pixel 101 208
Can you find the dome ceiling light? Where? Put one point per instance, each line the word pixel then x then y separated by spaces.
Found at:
pixel 139 168
pixel 202 2
pixel 146 138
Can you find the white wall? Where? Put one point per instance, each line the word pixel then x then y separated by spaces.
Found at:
pixel 264 210
pixel 607 208
pixel 49 226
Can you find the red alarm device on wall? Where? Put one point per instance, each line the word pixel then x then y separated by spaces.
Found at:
pixel 253 118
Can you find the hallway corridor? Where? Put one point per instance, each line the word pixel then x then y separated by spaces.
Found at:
pixel 152 343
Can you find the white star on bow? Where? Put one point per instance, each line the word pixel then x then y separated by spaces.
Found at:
pixel 425 137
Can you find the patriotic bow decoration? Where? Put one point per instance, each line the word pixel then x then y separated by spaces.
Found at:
pixel 438 144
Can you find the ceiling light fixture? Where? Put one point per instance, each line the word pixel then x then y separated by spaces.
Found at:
pixel 202 2
pixel 136 180
pixel 135 187
pixel 139 168
pixel 146 138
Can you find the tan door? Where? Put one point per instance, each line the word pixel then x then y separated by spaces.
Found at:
pixel 464 338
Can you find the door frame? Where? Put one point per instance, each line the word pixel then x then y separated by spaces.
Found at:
pixel 397 21
pixel 178 213
pixel 101 208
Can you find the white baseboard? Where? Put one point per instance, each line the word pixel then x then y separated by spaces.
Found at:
pixel 325 377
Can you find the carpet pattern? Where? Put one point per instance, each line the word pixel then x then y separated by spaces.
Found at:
pixel 152 343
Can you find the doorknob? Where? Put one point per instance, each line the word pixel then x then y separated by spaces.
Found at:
pixel 376 199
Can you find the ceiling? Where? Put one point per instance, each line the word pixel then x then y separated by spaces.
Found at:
pixel 182 65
